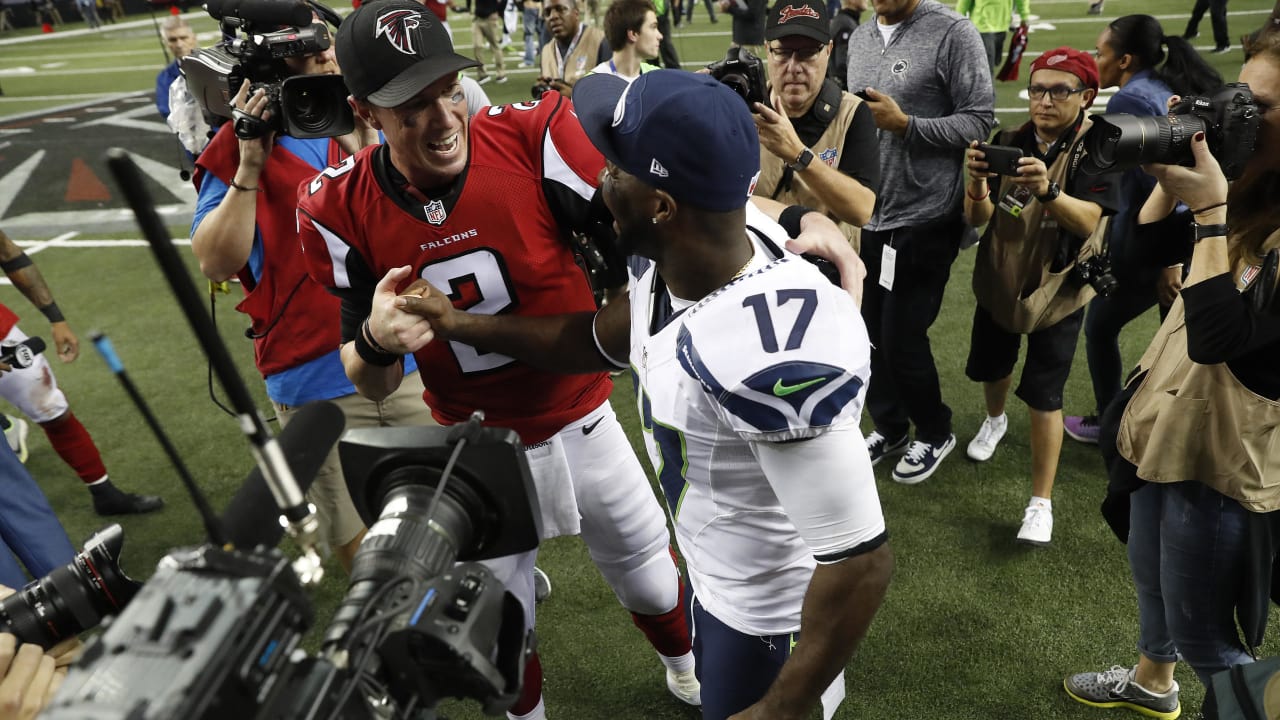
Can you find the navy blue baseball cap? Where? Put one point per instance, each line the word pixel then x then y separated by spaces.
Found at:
pixel 681 132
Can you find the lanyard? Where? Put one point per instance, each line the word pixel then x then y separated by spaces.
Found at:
pixel 561 59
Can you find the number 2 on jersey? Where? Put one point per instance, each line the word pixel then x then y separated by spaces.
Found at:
pixel 477 282
pixel 758 303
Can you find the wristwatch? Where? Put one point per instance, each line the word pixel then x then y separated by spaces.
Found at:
pixel 802 160
pixel 1208 231
pixel 1052 194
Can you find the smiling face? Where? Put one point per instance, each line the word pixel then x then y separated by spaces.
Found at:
pixel 427 134
pixel 797 67
pixel 648 38
pixel 632 204
pixel 1051 117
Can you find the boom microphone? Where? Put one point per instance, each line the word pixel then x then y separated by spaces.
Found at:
pixel 251 518
pixel 21 355
pixel 262 12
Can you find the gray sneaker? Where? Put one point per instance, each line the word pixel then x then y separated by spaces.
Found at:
pixel 1117 688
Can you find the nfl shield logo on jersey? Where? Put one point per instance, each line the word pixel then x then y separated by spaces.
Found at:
pixel 435 212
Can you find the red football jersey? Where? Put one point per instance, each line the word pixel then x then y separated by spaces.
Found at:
pixel 493 244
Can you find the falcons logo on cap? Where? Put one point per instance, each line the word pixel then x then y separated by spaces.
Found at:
pixel 396 26
pixel 791 12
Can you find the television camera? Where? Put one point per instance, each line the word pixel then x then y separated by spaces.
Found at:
pixel 303 106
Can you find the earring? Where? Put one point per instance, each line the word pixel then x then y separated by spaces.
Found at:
pixel 653 220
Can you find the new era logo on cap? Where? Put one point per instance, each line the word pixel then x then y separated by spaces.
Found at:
pixel 396 27
pixel 655 168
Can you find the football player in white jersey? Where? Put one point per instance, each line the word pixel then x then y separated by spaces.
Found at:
pixel 751 371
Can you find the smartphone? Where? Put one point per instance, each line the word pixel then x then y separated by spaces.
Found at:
pixel 1001 159
pixel 862 95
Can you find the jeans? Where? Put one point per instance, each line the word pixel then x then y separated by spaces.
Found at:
pixel 532 21
pixel 993 43
pixel 28 527
pixel 1217 16
pixel 1187 555
pixel 904 385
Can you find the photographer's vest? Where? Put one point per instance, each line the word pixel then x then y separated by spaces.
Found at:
pixel 1189 421
pixel 1011 275
pixel 580 59
pixel 773 168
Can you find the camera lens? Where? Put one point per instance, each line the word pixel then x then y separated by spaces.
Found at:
pixel 72 598
pixel 1120 142
pixel 315 106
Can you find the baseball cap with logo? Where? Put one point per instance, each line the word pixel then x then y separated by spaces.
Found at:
pixel 677 131
pixel 390 50
pixel 798 17
pixel 1069 60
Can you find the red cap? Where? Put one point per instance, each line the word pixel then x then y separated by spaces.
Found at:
pixel 1078 63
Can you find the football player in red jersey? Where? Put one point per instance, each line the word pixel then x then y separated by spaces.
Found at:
pixel 484 208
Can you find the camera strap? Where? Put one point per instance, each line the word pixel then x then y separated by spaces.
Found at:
pixel 561 59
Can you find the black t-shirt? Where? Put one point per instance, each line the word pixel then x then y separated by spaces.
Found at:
pixel 1102 189
pixel 860 161
pixel 1222 326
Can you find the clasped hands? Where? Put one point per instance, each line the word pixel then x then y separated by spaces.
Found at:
pixel 404 322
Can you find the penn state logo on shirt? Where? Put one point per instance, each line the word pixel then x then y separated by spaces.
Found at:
pixel 396 26
pixel 899 67
pixel 435 212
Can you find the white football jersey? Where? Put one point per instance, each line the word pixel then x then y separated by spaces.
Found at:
pixel 777 355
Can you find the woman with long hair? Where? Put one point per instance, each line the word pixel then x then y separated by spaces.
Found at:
pixel 1148 66
pixel 1191 444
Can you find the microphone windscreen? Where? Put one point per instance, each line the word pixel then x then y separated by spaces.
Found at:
pixel 252 517
pixel 265 14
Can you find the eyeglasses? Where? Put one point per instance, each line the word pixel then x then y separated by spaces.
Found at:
pixel 803 55
pixel 1057 92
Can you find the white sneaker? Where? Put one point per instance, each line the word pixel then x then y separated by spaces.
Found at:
pixel 983 445
pixel 541 585
pixel 16 435
pixel 685 686
pixel 1037 525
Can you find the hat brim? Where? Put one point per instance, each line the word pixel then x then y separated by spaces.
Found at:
pixel 419 75
pixel 778 32
pixel 594 99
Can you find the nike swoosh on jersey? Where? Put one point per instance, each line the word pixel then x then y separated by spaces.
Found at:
pixel 586 429
pixel 782 390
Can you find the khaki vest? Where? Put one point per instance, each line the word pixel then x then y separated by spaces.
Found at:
pixel 772 167
pixel 1197 422
pixel 1011 276
pixel 582 56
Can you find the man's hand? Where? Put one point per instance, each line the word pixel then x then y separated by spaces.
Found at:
pixel 777 134
pixel 1033 175
pixel 28 679
pixel 392 324
pixel 975 161
pixel 1168 285
pixel 65 342
pixel 253 153
pixel 886 112
pixel 820 236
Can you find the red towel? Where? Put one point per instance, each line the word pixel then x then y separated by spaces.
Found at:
pixel 1014 60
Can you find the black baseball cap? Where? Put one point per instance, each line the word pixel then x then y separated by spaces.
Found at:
pixel 799 17
pixel 389 50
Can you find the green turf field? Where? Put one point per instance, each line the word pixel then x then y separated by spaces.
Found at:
pixel 974 625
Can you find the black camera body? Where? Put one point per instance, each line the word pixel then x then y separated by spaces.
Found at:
pixel 1095 271
pixel 215 633
pixel 744 73
pixel 1229 119
pixel 302 106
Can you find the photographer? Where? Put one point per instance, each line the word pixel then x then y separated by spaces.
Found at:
pixel 244 227
pixel 574 49
pixel 818 144
pixel 1148 66
pixel 1190 443
pixel 1040 221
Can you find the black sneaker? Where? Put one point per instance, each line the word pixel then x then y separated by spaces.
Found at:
pixel 880 447
pixel 1117 688
pixel 921 460
pixel 110 500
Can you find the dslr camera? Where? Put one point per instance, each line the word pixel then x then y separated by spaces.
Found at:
pixel 1095 271
pixel 744 73
pixel 1229 119
pixel 303 106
